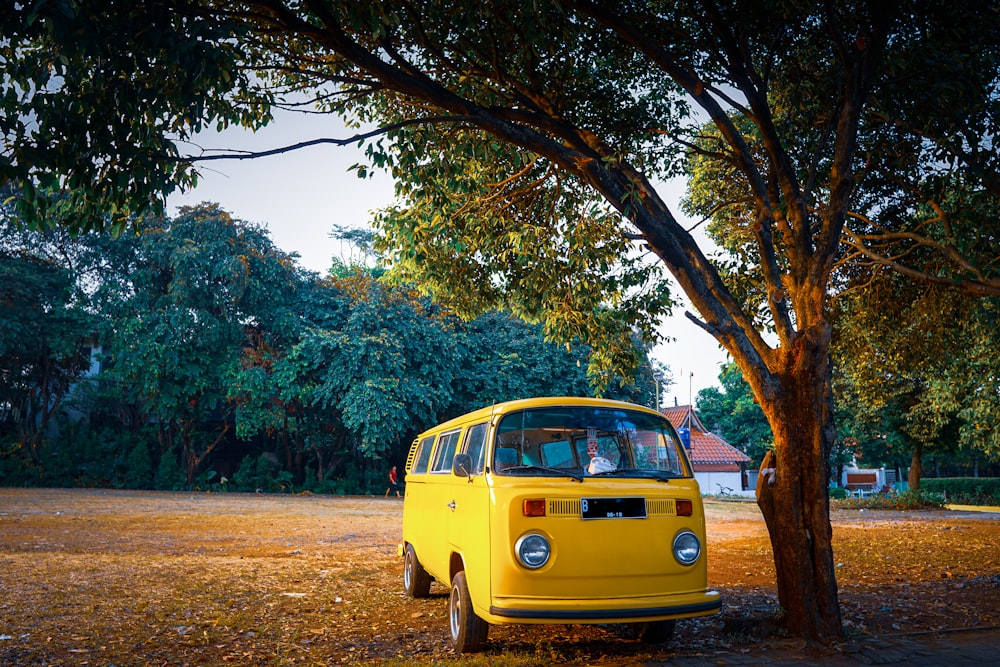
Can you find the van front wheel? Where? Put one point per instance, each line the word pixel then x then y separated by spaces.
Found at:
pixel 416 580
pixel 468 631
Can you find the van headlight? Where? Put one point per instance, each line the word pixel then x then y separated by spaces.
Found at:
pixel 687 547
pixel 532 550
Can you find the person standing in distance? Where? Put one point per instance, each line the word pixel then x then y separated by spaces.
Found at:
pixel 393 483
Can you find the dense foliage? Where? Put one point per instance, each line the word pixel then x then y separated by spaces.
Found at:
pixel 224 364
pixel 730 411
pixel 966 490
pixel 911 499
pixel 918 374
pixel 42 328
pixel 871 422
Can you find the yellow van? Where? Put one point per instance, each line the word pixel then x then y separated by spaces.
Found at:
pixel 556 510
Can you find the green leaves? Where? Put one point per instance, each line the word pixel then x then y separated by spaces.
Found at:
pixel 917 365
pixel 185 302
pixel 733 413
pixel 98 96
pixel 383 365
pixel 44 334
pixel 488 230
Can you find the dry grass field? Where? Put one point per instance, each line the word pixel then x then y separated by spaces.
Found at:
pixel 91 577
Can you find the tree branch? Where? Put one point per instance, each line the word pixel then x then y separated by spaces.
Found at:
pixel 977 286
pixel 250 155
pixel 754 350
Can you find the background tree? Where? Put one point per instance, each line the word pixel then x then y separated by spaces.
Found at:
pixel 45 335
pixel 203 288
pixel 271 392
pixel 243 366
pixel 731 411
pixel 376 364
pixel 917 374
pixel 863 125
pixel 385 367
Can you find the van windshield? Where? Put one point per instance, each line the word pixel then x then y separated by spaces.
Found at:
pixel 587 441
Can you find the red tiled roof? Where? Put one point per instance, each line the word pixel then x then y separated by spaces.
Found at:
pixel 706 447
pixel 676 414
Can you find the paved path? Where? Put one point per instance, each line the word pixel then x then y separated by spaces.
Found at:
pixel 947 649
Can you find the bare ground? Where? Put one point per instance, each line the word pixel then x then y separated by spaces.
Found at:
pixel 93 577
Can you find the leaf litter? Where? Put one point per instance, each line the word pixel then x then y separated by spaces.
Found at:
pixel 130 578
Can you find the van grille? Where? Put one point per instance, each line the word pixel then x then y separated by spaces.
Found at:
pixel 567 507
pixel 558 507
pixel 661 507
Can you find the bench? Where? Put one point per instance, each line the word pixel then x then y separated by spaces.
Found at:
pixel 861 483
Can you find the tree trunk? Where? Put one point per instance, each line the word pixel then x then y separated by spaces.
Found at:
pixel 916 467
pixel 194 458
pixel 287 448
pixel 320 472
pixel 793 496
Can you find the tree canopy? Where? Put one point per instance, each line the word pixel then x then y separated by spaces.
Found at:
pixel 731 412
pixel 529 141
pixel 917 372
pixel 219 356
pixel 44 330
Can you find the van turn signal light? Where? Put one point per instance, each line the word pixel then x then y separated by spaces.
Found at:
pixel 534 507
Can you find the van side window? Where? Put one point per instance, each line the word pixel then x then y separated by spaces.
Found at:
pixel 475 438
pixel 445 452
pixel 423 455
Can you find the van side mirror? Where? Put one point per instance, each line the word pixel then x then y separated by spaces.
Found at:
pixel 461 465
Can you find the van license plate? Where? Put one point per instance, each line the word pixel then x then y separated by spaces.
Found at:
pixel 613 508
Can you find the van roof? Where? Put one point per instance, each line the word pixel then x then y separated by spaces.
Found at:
pixel 526 403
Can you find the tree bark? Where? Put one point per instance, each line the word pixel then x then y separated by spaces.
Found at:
pixel 793 495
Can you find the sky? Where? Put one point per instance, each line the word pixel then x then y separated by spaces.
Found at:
pixel 299 196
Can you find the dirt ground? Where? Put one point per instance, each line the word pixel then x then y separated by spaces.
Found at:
pixel 90 577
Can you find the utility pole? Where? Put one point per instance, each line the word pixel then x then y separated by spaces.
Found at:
pixel 658 378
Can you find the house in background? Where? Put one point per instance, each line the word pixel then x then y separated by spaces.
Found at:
pixel 719 467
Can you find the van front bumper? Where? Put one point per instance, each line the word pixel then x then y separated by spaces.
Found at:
pixel 539 610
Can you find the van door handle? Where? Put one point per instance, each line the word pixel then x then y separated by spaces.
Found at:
pixel 452 505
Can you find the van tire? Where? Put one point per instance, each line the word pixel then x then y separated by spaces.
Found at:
pixel 416 580
pixel 654 632
pixel 468 631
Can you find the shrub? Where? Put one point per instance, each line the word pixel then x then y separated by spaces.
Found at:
pixel 169 476
pixel 906 500
pixel 16 466
pixel 332 487
pixel 838 493
pixel 253 475
pixel 138 467
pixel 965 490
pixel 204 480
pixel 281 482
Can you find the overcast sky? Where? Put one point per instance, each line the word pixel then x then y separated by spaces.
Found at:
pixel 299 196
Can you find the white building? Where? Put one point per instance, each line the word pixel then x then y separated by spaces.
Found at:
pixel 720 468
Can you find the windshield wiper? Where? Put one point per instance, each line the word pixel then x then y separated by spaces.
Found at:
pixel 561 472
pixel 660 475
